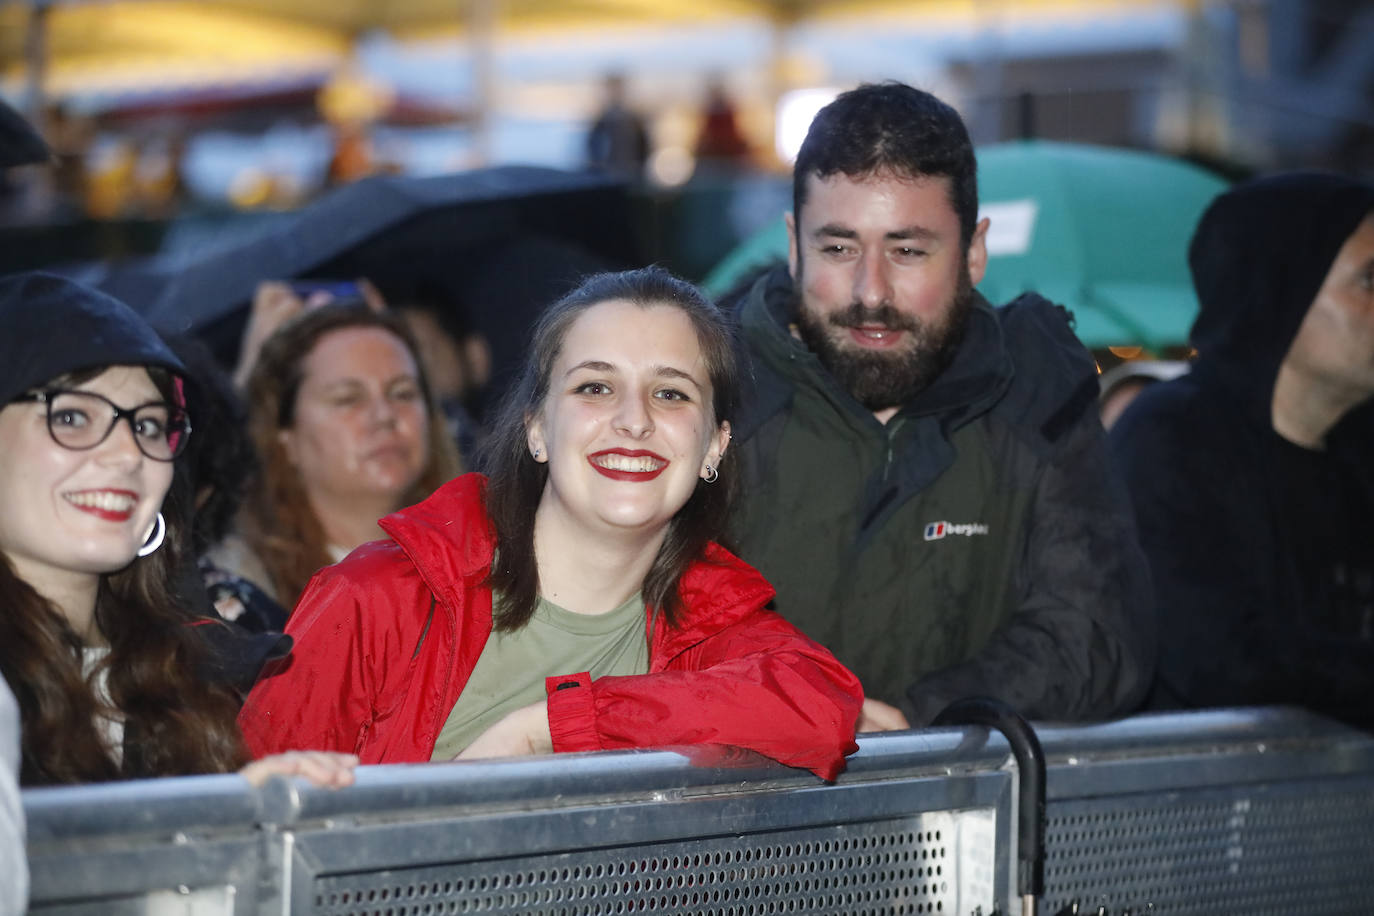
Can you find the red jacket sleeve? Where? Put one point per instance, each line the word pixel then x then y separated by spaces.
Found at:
pixel 758 683
pixel 323 697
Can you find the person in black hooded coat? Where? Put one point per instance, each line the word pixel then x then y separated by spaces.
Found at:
pixel 1250 475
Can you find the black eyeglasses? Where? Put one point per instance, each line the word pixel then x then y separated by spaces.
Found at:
pixel 160 429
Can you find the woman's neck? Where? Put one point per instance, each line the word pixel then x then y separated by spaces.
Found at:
pixel 350 523
pixel 589 574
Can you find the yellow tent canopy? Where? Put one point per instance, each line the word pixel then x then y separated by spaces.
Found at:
pixel 121 45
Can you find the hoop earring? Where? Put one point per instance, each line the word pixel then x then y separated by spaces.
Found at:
pixel 155 537
pixel 712 475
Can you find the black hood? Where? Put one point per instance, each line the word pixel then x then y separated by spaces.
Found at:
pixel 50 325
pixel 1258 257
pixel 19 142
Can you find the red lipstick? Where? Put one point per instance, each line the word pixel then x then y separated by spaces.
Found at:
pixel 105 504
pixel 658 462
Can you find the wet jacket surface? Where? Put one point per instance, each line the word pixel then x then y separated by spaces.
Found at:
pixel 1262 552
pixel 386 640
pixel 976 544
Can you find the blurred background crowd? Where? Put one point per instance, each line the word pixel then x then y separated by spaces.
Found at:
pixel 174 120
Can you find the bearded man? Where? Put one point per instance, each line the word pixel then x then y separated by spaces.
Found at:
pixel 927 484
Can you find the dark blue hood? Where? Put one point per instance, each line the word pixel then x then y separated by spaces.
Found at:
pixel 1258 257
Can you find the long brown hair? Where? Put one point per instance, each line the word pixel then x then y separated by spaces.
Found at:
pixel 176 722
pixel 279 523
pixel 516 481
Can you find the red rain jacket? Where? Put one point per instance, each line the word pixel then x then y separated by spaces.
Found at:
pixel 386 641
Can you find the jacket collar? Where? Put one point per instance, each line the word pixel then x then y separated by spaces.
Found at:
pixel 451 542
pixel 447 537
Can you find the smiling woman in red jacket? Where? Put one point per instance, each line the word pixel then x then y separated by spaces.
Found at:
pixel 575 599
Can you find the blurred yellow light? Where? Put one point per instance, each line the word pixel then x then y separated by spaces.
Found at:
pixel 250 188
pixel 1126 352
pixel 350 97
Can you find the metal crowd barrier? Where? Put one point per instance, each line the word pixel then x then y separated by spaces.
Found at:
pixel 1245 812
pixel 1257 811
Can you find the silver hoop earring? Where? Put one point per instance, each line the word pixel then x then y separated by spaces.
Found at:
pixel 155 537
pixel 712 475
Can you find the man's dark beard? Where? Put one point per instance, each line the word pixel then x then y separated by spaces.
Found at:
pixel 879 380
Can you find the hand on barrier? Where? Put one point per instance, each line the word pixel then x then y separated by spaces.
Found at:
pixel 877 716
pixel 517 734
pixel 327 769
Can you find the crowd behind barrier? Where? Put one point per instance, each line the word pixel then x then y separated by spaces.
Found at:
pixel 1227 811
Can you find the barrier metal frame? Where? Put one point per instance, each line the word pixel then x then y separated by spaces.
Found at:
pixel 1260 811
pixel 1255 811
pixel 437 815
pixel 114 848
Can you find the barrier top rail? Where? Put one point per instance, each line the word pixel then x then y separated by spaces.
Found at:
pixel 216 802
pixel 228 801
pixel 1149 734
pixel 145 805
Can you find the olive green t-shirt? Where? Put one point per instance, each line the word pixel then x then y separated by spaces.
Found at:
pixel 511 670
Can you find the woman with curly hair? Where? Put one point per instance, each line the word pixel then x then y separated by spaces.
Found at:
pixel 114 680
pixel 347 432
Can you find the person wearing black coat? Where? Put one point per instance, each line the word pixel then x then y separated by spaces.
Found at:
pixel 1251 475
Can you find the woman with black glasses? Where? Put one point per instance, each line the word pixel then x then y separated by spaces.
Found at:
pixel 108 671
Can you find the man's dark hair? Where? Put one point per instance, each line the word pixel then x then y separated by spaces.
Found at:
pixel 891 127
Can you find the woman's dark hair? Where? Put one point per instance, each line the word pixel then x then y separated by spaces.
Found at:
pixel 279 523
pixel 175 722
pixel 516 481
pixel 219 460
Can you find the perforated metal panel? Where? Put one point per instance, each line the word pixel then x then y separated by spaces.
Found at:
pixel 905 865
pixel 1262 849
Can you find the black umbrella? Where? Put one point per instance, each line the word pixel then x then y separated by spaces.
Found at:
pixel 501 241
pixel 19 142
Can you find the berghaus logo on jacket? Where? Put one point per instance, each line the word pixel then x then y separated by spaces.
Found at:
pixel 937 530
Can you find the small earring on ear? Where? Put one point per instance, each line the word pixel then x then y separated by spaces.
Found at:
pixel 536 453
pixel 712 475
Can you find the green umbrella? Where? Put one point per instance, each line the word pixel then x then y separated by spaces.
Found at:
pixel 1103 231
pixel 767 245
